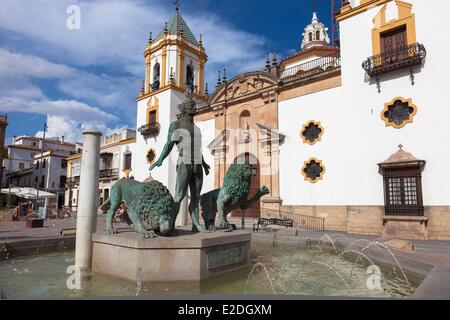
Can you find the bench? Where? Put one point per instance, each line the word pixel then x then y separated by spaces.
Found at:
pixel 265 222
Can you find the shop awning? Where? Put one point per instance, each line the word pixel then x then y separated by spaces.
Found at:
pixel 28 193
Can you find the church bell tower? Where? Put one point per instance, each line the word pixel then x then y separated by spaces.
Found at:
pixel 174 63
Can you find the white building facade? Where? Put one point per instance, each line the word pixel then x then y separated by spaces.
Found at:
pixel 341 135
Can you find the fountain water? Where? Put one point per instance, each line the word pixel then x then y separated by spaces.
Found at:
pixel 261 265
pixel 138 281
pixel 334 270
pixel 330 240
pixel 379 244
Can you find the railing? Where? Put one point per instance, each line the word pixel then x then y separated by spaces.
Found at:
pixel 109 173
pixel 75 179
pixel 400 58
pixel 150 129
pixel 300 220
pixel 312 68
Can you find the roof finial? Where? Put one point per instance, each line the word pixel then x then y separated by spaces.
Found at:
pixel 224 75
pixel 267 61
pixel 143 87
pixel 177 4
pixel 166 28
pixel 400 146
pixel 150 40
pixel 200 42
pixel 274 58
pixel 206 89
pixel 219 79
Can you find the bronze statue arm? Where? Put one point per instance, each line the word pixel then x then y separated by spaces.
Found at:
pixel 167 148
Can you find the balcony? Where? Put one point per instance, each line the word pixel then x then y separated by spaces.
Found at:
pixel 109 173
pixel 150 129
pixel 405 57
pixel 312 68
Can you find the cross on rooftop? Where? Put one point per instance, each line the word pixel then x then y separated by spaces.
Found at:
pixel 177 4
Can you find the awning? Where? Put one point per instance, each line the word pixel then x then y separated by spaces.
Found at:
pixel 28 193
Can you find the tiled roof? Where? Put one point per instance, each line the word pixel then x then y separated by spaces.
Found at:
pixel 177 25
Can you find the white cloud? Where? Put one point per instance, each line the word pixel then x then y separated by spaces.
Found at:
pixel 75 110
pixel 97 70
pixel 115 32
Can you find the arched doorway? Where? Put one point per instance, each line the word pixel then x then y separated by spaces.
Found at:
pixel 254 211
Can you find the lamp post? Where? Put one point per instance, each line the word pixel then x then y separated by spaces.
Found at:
pixel 40 169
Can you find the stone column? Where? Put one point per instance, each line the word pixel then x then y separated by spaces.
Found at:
pixel 88 200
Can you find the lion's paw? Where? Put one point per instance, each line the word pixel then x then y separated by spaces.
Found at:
pixel 148 234
pixel 111 231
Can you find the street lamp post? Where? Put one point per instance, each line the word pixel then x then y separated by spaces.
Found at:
pixel 40 170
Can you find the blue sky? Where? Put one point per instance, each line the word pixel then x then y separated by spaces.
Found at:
pixel 89 78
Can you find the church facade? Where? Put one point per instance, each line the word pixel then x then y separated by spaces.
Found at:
pixel 337 133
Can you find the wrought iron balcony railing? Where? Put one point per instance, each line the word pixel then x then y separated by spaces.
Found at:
pixel 109 173
pixel 400 58
pixel 312 68
pixel 150 129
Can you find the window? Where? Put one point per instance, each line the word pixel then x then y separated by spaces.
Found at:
pixel 37 164
pixel 310 37
pixel 156 77
pixel 403 189
pixel 311 132
pixel 21 165
pixel 62 181
pixel 41 185
pixel 398 113
pixel 44 162
pixel 393 40
pixel 190 78
pixel 127 161
pixel 63 163
pixel 151 155
pixel 152 117
pixel 313 170
pixel 317 35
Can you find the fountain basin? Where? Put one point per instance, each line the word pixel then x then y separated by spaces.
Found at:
pixel 185 257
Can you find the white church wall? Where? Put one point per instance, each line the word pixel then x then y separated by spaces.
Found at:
pixel 367 140
pixel 324 106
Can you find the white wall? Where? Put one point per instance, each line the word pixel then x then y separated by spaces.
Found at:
pixel 324 106
pixel 368 141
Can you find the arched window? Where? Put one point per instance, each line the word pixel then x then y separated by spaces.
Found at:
pixel 310 36
pixel 156 78
pixel 318 35
pixel 190 78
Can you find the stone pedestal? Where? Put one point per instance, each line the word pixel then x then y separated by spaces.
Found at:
pixel 185 257
pixel 405 227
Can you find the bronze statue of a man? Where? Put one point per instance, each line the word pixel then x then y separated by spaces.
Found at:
pixel 187 136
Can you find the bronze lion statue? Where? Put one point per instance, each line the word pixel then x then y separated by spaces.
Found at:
pixel 233 195
pixel 149 202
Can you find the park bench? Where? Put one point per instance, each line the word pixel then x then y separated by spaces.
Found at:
pixel 264 223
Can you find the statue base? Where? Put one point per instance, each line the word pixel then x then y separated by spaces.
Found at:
pixel 185 257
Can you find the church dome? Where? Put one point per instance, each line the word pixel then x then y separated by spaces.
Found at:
pixel 315 34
